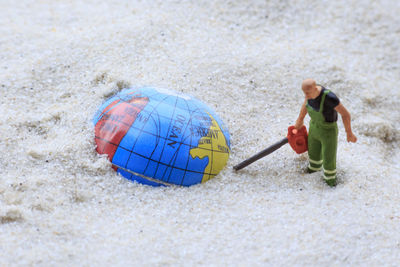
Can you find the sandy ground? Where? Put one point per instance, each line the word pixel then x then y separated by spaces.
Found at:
pixel 62 204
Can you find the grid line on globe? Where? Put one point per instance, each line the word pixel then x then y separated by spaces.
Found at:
pixel 141 130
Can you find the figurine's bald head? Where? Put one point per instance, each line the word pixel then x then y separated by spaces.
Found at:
pixel 310 89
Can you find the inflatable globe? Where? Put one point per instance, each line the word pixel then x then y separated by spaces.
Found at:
pixel 160 137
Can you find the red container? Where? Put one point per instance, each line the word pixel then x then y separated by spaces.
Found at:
pixel 298 139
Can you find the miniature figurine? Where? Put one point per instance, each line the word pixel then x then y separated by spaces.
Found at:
pixel 322 105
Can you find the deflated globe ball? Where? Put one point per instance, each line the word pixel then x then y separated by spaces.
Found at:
pixel 160 137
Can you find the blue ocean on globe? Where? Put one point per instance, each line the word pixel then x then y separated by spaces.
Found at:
pixel 160 137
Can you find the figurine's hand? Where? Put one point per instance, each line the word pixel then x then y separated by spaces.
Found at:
pixel 351 137
pixel 298 124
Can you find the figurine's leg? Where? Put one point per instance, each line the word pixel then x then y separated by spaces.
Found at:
pixel 329 151
pixel 314 150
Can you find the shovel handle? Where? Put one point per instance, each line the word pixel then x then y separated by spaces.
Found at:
pixel 261 154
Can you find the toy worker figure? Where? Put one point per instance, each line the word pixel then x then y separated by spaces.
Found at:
pixel 323 105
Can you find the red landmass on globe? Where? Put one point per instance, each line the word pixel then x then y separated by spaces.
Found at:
pixel 115 122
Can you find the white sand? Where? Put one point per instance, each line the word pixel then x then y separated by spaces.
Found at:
pixel 62 204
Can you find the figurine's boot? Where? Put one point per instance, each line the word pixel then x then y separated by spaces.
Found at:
pixel 330 177
pixel 331 182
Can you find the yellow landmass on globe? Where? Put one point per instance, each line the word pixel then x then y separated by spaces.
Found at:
pixel 213 146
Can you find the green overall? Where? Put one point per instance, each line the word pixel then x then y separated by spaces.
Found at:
pixel 322 142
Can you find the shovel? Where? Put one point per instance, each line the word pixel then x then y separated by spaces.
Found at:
pixel 296 138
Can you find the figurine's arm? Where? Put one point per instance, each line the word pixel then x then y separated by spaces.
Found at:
pixel 347 122
pixel 300 119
